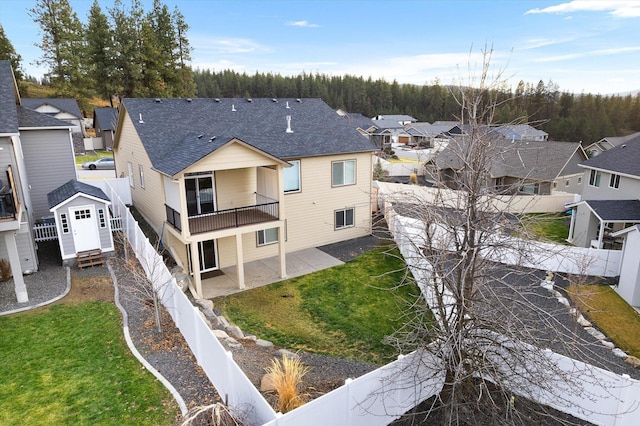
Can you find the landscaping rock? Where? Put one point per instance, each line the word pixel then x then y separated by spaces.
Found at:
pixel 583 321
pixel 595 333
pixel 633 361
pixel 222 322
pixel 607 344
pixel 284 353
pixel 266 384
pixel 205 303
pixel 235 332
pixel 251 338
pixel 563 300
pixel 210 315
pixel 264 343
pixel 220 334
pixel 620 353
pixel 232 343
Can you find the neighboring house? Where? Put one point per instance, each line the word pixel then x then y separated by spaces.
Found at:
pixel 524 167
pixel 228 181
pixel 522 132
pixel 629 281
pixel 104 123
pixel 610 197
pixel 607 143
pixel 36 156
pixel 64 109
pixel 392 128
pixel 82 219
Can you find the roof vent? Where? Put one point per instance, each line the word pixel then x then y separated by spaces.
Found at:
pixel 287 105
pixel 299 100
pixel 199 136
pixel 233 107
pixel 158 100
pixel 274 100
pixel 140 120
pixel 289 124
pixel 624 145
pixel 217 100
pixel 212 138
pixel 189 100
pixel 249 100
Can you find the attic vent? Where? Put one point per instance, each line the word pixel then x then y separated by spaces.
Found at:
pixel 217 100
pixel 158 100
pixel 212 138
pixel 274 100
pixel 249 100
pixel 140 120
pixel 233 107
pixel 299 100
pixel 287 106
pixel 289 124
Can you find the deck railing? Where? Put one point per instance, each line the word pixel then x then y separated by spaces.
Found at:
pixel 173 217
pixel 234 218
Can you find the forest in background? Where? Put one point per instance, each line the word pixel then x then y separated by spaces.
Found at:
pixel 125 51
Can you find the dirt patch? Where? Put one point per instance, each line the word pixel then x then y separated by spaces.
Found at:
pixel 87 289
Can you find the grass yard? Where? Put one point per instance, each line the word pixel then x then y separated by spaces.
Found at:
pixel 610 313
pixel 69 364
pixel 342 311
pixel 553 227
pixel 92 157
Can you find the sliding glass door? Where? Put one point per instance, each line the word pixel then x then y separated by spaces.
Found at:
pixel 200 195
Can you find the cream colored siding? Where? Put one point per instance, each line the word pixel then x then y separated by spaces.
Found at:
pixel 231 156
pixel 148 200
pixel 235 188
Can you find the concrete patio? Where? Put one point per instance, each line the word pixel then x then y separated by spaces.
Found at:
pixel 262 272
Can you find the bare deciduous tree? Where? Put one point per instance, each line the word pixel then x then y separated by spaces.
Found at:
pixel 487 323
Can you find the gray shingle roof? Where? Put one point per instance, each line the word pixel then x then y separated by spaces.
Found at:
pixel 386 123
pixel 616 210
pixel 8 113
pixel 534 160
pixel 359 121
pixel 30 118
pixel 71 188
pixel 520 130
pixel 63 104
pixel 177 132
pixel 105 118
pixel 624 158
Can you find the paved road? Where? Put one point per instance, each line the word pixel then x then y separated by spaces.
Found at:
pixel 95 174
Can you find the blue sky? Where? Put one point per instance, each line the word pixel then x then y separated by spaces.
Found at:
pixel 590 46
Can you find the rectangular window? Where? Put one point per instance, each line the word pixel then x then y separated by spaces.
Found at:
pixel 64 223
pixel 579 179
pixel 141 175
pixel 567 182
pixel 292 177
pixel 614 181
pixel 530 188
pixel 594 178
pixel 344 218
pixel 103 221
pixel 130 170
pixel 267 236
pixel 343 173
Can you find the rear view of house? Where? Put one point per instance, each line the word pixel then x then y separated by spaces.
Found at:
pixel 228 181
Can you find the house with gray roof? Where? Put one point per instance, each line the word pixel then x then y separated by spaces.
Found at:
pixel 607 143
pixel 36 156
pixel 610 197
pixel 104 124
pixel 522 132
pixel 228 181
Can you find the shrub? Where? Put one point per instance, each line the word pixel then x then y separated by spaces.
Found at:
pixel 5 270
pixel 287 375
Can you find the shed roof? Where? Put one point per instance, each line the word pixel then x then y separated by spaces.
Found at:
pixel 616 210
pixel 71 188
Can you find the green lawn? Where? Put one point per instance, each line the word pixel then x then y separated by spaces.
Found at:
pixel 69 364
pixel 607 310
pixel 343 311
pixel 553 227
pixel 92 157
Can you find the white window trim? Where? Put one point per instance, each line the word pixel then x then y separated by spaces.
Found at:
pixel 64 223
pixel 130 170
pixel 264 237
pixel 355 173
pixel 614 179
pixel 595 176
pixel 293 191
pixel 102 219
pixel 343 211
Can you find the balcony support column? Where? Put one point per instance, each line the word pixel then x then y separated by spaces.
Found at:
pixel 239 262
pixel 16 269
pixel 282 253
pixel 195 267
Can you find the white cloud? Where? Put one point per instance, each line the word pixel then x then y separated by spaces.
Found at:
pixel 599 52
pixel 305 24
pixel 217 46
pixel 620 9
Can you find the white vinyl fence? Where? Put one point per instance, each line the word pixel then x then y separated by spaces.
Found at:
pixel 119 185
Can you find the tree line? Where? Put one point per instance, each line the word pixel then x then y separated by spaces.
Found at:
pixel 125 52
pixel 565 116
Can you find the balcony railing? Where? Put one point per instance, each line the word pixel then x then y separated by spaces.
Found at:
pixel 7 207
pixel 234 218
pixel 173 217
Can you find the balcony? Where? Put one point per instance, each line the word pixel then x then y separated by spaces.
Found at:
pixel 225 219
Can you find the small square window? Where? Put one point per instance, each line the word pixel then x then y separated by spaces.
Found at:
pixel 267 236
pixel 344 218
pixel 343 173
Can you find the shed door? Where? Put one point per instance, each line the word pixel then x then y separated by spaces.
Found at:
pixel 84 226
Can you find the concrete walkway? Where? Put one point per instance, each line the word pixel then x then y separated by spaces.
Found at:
pixel 266 271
